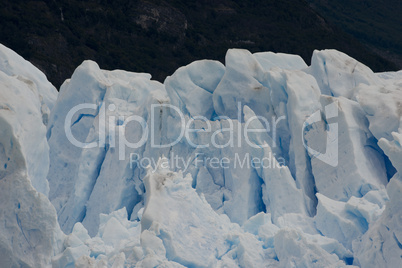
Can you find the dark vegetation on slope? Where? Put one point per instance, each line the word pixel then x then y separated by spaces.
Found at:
pixel 377 24
pixel 159 36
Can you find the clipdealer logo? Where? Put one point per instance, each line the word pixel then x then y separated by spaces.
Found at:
pixel 109 129
pixel 330 156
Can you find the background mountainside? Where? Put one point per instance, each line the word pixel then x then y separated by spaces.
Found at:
pixel 159 36
pixel 377 24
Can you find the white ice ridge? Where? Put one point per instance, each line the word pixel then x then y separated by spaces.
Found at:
pixel 13 64
pixel 165 202
pixel 29 232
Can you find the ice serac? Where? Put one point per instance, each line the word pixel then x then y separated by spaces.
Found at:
pixel 117 244
pixel 337 73
pixel 177 224
pixel 231 186
pixel 20 107
pixel 295 96
pixel 381 246
pixel 382 106
pixel 190 88
pixel 187 238
pixel 390 75
pixel 359 166
pixel 242 82
pixel 279 191
pixel 29 233
pixel 270 60
pixel 82 88
pixel 296 243
pixel 242 195
pixel 116 180
pixel 108 105
pixel 345 221
pixel 294 250
pixel 14 65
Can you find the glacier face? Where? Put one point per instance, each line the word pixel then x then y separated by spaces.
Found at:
pixel 29 232
pixel 261 162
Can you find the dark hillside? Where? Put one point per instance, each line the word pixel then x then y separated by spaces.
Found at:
pixel 159 36
pixel 377 24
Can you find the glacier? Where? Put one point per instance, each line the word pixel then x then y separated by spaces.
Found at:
pixel 262 161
